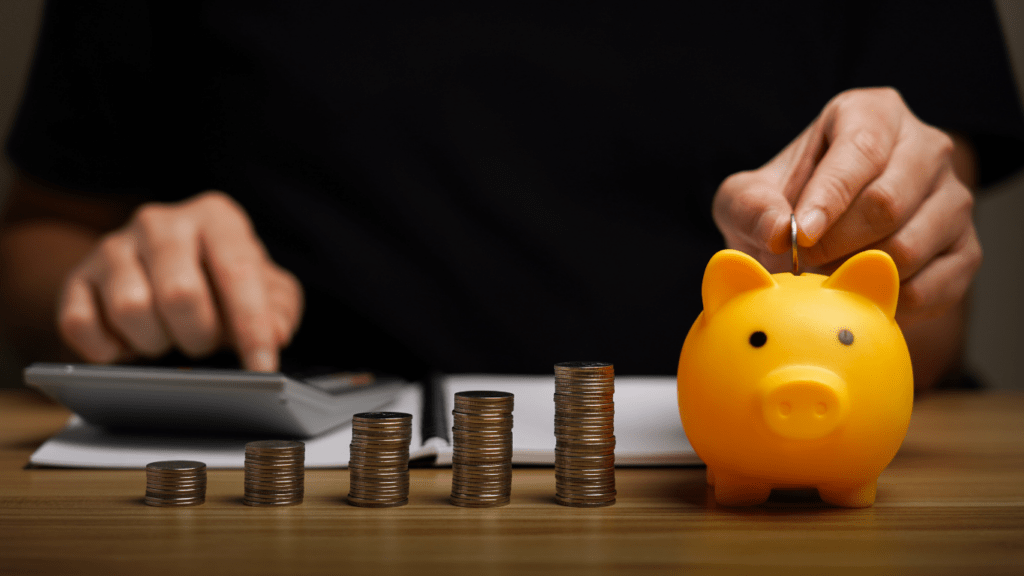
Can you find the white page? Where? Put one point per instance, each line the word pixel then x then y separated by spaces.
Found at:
pixel 648 430
pixel 82 445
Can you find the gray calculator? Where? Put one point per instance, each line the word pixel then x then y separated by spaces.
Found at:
pixel 236 402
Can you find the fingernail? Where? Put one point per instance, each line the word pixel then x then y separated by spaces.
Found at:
pixel 812 224
pixel 263 360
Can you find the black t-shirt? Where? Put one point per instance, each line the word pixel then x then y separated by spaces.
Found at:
pixel 485 187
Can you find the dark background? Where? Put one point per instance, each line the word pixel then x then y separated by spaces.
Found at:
pixel 995 348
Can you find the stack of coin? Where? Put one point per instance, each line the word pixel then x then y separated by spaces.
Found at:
pixel 274 472
pixel 175 483
pixel 379 459
pixel 584 434
pixel 482 460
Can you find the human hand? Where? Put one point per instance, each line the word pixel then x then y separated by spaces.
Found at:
pixel 191 275
pixel 866 173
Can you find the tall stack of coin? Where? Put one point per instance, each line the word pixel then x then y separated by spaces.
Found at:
pixel 175 483
pixel 584 434
pixel 379 459
pixel 482 460
pixel 274 472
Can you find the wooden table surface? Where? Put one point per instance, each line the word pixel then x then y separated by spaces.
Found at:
pixel 952 502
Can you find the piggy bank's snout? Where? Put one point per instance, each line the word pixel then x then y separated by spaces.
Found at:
pixel 803 402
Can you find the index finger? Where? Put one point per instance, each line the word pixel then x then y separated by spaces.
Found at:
pixel 860 140
pixel 235 260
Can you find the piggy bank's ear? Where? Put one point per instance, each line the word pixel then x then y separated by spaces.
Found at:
pixel 729 273
pixel 871 274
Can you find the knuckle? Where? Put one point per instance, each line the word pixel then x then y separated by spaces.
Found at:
pixel 734 182
pixel 112 247
pixel 835 189
pixel 905 254
pixel 218 202
pixel 883 208
pixel 150 216
pixel 72 322
pixel 236 271
pixel 130 304
pixel 943 142
pixel 888 94
pixel 967 202
pixel 181 292
pixel 871 147
pixel 912 298
pixel 975 258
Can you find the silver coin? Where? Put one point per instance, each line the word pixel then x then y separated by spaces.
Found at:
pixel 275 471
pixel 792 241
pixel 377 504
pixel 275 465
pixel 402 452
pixel 379 492
pixel 266 455
pixel 482 471
pixel 478 504
pixel 370 457
pixel 274 445
pixel 175 481
pixel 583 365
pixel 480 492
pixel 580 489
pixel 382 466
pixel 201 473
pixel 584 504
pixel 374 417
pixel 255 503
pixel 159 503
pixel 175 466
pixel 273 481
pixel 482 435
pixel 485 396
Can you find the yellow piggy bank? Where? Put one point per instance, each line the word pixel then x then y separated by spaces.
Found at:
pixel 796 381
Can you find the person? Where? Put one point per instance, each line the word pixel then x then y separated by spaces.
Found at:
pixel 487 189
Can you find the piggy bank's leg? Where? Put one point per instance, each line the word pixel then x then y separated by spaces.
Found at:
pixel 740 491
pixel 849 495
pixel 711 477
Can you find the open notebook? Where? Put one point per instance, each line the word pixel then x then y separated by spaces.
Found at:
pixel 647 429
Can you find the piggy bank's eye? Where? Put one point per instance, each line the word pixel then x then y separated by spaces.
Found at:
pixel 757 339
pixel 846 337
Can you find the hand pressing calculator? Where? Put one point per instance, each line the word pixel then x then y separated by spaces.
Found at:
pixel 204 399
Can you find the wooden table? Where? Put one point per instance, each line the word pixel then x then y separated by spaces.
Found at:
pixel 952 502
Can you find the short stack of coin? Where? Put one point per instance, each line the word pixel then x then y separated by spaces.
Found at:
pixel 175 483
pixel 274 472
pixel 379 459
pixel 482 460
pixel 584 434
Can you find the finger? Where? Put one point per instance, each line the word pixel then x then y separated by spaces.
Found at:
pixel 860 142
pixel 919 161
pixel 939 223
pixel 942 283
pixel 80 324
pixel 286 299
pixel 752 212
pixel 169 248
pixel 235 260
pixel 126 298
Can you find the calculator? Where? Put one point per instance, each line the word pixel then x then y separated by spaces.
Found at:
pixel 225 401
